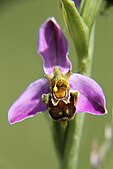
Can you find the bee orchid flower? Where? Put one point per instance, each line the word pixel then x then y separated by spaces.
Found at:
pixel 61 92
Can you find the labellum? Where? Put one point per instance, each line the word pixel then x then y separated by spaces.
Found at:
pixel 61 101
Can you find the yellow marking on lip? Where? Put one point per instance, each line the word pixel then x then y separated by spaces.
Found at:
pixel 67 111
pixel 60 93
pixel 55 89
pixel 60 113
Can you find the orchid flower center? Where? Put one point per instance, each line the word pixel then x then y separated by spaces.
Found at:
pixel 59 88
pixel 61 101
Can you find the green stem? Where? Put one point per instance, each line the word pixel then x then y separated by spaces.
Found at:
pixel 74 130
pixel 58 135
pixel 71 153
pixel 85 64
pixel 81 29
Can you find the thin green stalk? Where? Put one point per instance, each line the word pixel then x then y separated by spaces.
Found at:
pixel 81 28
pixel 85 64
pixel 71 153
pixel 58 135
pixel 74 130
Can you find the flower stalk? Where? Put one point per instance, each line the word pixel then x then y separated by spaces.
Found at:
pixel 81 25
pixel 74 130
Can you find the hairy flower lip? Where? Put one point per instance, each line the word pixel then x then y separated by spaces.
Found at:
pixel 30 103
pixel 63 110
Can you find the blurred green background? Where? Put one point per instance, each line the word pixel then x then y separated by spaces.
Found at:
pixel 29 144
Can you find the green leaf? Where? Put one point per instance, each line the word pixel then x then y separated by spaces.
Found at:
pixel 77 27
pixel 89 11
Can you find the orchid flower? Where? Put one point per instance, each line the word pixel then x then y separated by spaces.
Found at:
pixel 61 92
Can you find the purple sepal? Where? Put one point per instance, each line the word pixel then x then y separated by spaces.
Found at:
pixel 30 102
pixel 91 99
pixel 53 47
